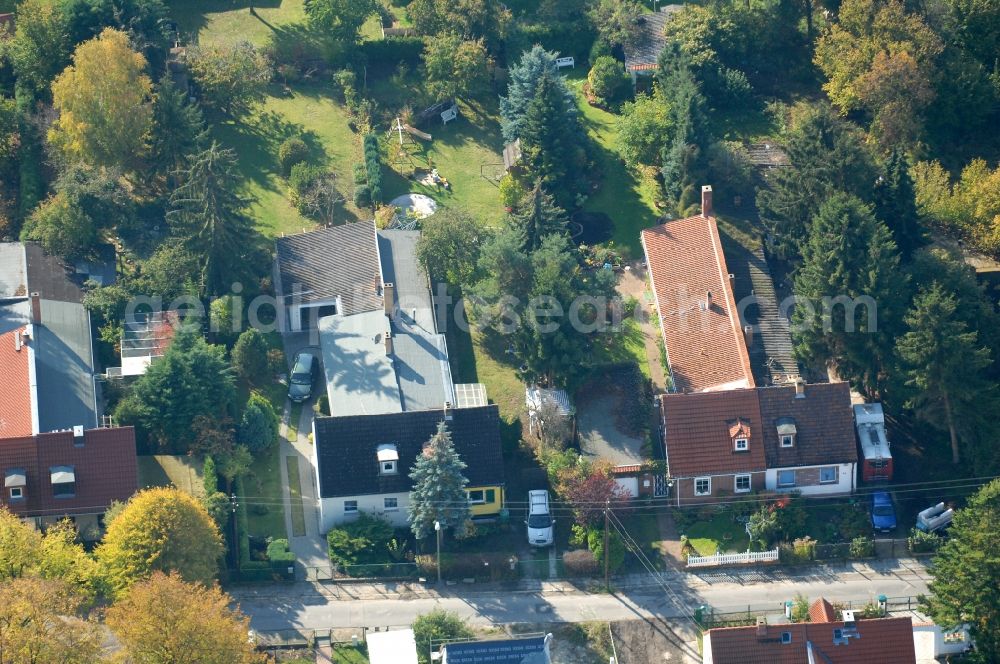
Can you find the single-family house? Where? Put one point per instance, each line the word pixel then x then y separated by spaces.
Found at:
pixel 518 650
pixel 46 350
pixel 72 474
pixel 363 461
pixel 714 443
pixel 849 640
pixel 809 438
pixel 783 438
pixel 698 318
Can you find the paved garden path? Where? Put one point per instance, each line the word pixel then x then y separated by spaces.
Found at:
pixel 633 283
pixel 309 547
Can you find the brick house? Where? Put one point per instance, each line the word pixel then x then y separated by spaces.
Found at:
pixel 786 438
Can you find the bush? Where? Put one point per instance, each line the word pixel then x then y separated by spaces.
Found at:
pixel 511 191
pixel 802 550
pixel 862 547
pixel 250 357
pixel 291 152
pixel 373 166
pixel 360 174
pixel 607 78
pixel 481 566
pixel 276 361
pixel 364 541
pixel 258 428
pixel 278 553
pixel 362 196
pixel 580 562
pixel 921 542
pixel 616 548
pixel 437 626
pixel 322 405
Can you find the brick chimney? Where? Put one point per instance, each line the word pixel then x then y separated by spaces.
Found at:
pixel 800 388
pixel 389 296
pixel 706 201
pixel 36 308
pixel 388 343
pixel 748 336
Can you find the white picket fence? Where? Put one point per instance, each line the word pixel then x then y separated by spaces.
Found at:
pixel 746 558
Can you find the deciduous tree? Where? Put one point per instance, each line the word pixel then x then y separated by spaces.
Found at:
pixel 970 207
pixel 40 48
pixel 449 246
pixel 592 492
pixel 455 67
pixel 437 627
pixel 944 363
pixel 438 492
pixel 232 78
pixel 162 529
pixel 341 19
pixel 644 127
pixel 103 100
pixel 61 226
pixel 471 19
pixel 165 620
pixel 40 622
pixel 965 587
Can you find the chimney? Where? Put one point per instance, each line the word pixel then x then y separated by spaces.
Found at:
pixel 761 627
pixel 388 342
pixel 800 388
pixel 706 201
pixel 447 411
pixel 389 296
pixel 748 336
pixel 708 299
pixel 36 308
pixel 78 435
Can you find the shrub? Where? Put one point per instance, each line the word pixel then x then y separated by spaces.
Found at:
pixel 258 428
pixel 276 361
pixel 364 541
pixel 278 552
pixel 322 405
pixel 802 550
pixel 373 165
pixel 250 357
pixel 314 192
pixel 437 626
pixel 360 174
pixel 511 191
pixel 362 196
pixel 862 547
pixel 291 152
pixel 921 542
pixel 580 562
pixel 607 78
pixel 616 548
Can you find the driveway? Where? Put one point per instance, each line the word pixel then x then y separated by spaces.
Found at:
pixel 599 437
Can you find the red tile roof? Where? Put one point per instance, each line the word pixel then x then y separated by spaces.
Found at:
pixel 105 469
pixel 822 611
pixel 697 431
pixel 15 388
pixel 705 345
pixel 878 641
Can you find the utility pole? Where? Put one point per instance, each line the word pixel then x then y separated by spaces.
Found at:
pixel 236 535
pixel 607 580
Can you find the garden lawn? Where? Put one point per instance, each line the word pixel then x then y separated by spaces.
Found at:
pixel 625 195
pixel 349 655
pixel 720 533
pixel 295 496
pixel 625 345
pixel 218 21
pixel 263 489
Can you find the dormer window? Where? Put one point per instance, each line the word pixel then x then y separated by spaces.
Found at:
pixel 63 480
pixel 786 431
pixel 739 434
pixel 14 481
pixel 388 459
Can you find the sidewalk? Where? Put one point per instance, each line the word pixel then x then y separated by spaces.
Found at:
pixel 902 568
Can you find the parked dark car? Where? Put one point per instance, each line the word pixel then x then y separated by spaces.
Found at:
pixel 303 377
pixel 883 512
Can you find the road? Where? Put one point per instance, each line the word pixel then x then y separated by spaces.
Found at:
pixel 725 591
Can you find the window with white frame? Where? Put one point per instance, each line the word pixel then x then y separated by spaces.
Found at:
pixel 742 483
pixel 741 444
pixel 477 497
pixel 16 493
pixel 788 440
pixel 786 478
pixel 388 457
pixel 390 504
pixel 828 475
pixel 703 486
pixel 388 467
pixel 350 506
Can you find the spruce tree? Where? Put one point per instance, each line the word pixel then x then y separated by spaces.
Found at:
pixel 537 217
pixel 965 587
pixel 825 154
pixel 524 77
pixel 178 130
pixel 683 158
pixel 851 284
pixel 896 204
pixel 207 216
pixel 944 364
pixel 438 492
pixel 550 140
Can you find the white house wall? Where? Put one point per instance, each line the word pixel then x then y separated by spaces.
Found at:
pixel 844 484
pixel 332 509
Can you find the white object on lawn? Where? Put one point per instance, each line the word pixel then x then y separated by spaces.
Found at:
pixel 565 62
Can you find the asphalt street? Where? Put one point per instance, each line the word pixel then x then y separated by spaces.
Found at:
pixel 725 591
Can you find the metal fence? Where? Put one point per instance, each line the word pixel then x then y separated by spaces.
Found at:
pixel 708 616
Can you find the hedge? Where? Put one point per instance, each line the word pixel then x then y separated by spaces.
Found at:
pixel 373 164
pixel 392 51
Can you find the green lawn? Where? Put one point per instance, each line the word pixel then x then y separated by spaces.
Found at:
pixel 294 416
pixel 626 345
pixel 720 533
pixel 295 496
pixel 217 21
pixel 628 197
pixel 263 491
pixel 349 655
pixel 183 472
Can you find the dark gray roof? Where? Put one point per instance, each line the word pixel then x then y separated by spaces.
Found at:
pixel 339 261
pixel 651 40
pixel 346 448
pixel 824 425
pixel 507 651
pixel 50 276
pixel 64 367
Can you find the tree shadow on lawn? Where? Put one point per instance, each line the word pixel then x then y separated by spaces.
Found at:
pixel 191 16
